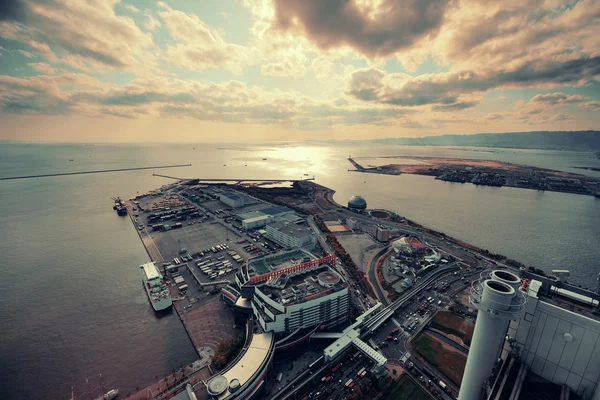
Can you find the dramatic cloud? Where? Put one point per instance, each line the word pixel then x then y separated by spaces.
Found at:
pixel 89 34
pixel 373 30
pixel 451 88
pixel 200 46
pixel 231 101
pixel 415 65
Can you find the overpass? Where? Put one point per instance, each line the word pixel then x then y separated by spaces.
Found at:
pixel 372 319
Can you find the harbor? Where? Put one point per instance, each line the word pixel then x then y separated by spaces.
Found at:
pixel 212 242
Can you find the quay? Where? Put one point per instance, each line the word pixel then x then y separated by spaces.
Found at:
pixel 101 171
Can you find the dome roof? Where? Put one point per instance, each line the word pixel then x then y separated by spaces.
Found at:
pixel 217 385
pixel 357 202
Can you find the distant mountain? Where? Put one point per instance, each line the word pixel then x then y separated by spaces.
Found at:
pixel 555 140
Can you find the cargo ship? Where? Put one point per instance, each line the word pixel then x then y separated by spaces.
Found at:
pixel 120 206
pixel 155 287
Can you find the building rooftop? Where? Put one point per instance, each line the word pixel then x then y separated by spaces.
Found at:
pixel 290 218
pixel 357 202
pixel 250 215
pixel 289 290
pixel 232 196
pixel 294 230
pixel 257 353
pixel 258 218
pixel 276 210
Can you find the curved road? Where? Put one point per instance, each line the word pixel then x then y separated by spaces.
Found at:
pixel 373 277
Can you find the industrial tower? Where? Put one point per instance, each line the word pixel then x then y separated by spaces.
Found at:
pixel 498 298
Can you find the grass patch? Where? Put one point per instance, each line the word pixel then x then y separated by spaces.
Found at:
pixel 406 389
pixel 453 324
pixel 449 363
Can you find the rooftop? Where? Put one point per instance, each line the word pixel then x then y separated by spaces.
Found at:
pixel 294 230
pixel 249 215
pixel 256 355
pixel 232 196
pixel 357 202
pixel 276 210
pixel 289 290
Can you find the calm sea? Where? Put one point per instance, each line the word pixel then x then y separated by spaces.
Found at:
pixel 72 302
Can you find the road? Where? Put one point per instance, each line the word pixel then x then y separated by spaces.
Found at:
pixel 146 237
pixel 443 338
pixel 373 277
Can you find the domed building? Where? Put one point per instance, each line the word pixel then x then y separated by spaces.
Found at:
pixel 357 203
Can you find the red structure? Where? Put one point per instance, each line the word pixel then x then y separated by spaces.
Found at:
pixel 415 243
pixel 294 268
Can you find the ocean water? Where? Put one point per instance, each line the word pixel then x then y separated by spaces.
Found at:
pixel 72 302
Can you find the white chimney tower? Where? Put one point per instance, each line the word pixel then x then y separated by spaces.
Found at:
pixel 498 300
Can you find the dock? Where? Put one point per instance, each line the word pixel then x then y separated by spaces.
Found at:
pixel 206 319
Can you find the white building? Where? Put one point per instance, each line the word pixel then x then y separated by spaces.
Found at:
pixel 559 340
pixel 244 379
pixel 319 297
pixel 232 199
pixel 353 223
pixel 256 222
pixel 292 235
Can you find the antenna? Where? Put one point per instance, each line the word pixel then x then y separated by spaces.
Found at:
pixel 87 382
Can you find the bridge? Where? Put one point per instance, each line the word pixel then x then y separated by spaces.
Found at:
pixel 372 319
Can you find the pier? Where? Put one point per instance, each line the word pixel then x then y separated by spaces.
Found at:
pixel 94 172
pixel 234 179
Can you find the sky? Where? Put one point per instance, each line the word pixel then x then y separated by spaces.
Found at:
pixel 246 70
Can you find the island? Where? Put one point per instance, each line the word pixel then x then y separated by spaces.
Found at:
pixel 486 172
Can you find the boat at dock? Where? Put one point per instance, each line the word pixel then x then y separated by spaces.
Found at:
pixel 156 287
pixel 119 206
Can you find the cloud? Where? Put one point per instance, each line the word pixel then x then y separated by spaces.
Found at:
pixel 26 53
pixel 200 47
pixel 456 106
pixel 152 23
pixel 372 30
pixel 594 105
pixel 449 88
pixel 44 68
pixel 132 8
pixel 87 34
pixel 231 101
pixel 555 99
pixel 515 33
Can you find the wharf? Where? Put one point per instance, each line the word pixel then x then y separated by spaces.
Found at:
pixel 206 319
